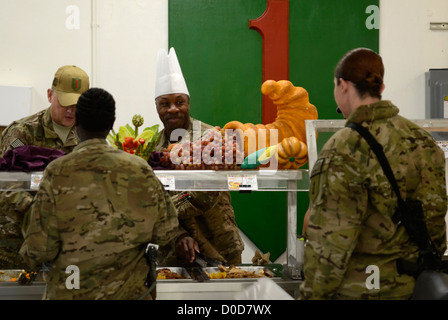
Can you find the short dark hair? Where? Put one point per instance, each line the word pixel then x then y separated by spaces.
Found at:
pixel 95 110
pixel 364 68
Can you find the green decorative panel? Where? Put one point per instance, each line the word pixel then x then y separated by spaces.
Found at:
pixel 221 59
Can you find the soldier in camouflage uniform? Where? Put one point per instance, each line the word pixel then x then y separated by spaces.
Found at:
pixel 352 202
pixel 49 128
pixel 207 216
pixel 54 126
pixel 97 208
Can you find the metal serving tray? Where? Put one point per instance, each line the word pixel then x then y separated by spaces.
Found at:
pixel 182 271
pixel 8 276
pixel 255 269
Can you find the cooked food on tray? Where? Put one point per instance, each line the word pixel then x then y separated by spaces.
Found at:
pixel 166 273
pixel 236 272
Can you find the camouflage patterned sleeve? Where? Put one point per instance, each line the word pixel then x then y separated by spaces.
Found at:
pixel 338 205
pixel 220 220
pixel 194 203
pixel 167 229
pixel 432 192
pixel 40 228
pixel 10 135
pixel 203 200
pixel 20 201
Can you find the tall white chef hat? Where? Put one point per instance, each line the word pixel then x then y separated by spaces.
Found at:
pixel 169 77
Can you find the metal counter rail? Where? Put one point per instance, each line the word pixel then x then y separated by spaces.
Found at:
pixel 166 290
pixel 210 180
pixel 14 291
pixel 192 180
pixel 312 127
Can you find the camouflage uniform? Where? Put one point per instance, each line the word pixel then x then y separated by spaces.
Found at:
pixel 34 130
pixel 97 208
pixel 350 224
pixel 208 216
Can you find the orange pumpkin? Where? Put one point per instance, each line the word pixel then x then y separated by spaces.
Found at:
pixel 291 153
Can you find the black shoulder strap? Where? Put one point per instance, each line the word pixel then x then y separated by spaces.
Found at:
pixel 413 220
pixel 378 149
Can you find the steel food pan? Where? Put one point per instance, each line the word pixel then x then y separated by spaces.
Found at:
pixel 249 271
pixel 12 275
pixel 179 270
pixel 9 275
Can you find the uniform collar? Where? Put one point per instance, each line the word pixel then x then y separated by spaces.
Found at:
pixel 370 112
pixel 90 142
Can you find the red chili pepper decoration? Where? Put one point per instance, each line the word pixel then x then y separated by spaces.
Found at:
pixel 129 145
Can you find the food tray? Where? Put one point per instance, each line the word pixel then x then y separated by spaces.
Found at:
pixel 182 271
pixel 9 274
pixel 256 269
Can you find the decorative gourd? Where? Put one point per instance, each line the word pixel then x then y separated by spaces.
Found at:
pixel 293 108
pixel 292 153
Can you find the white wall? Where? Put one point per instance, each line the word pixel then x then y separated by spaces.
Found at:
pixel 34 43
pixel 129 35
pixel 118 52
pixel 409 49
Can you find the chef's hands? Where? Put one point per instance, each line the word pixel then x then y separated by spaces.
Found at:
pixel 186 247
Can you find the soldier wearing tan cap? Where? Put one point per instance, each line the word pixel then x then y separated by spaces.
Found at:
pixel 53 127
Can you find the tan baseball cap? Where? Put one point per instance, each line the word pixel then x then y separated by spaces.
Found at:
pixel 69 83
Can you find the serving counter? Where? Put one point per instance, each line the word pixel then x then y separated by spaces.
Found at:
pixel 188 284
pixel 290 181
pixel 167 290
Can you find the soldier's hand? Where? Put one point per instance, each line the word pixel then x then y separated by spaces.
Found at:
pixel 186 247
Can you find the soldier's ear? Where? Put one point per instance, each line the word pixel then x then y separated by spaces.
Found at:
pixel 50 93
pixel 344 84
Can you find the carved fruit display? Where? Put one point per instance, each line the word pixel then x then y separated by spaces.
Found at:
pixel 293 108
pixel 211 152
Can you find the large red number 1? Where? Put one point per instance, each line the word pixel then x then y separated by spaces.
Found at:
pixel 273 26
